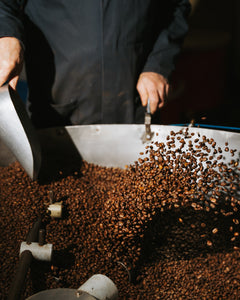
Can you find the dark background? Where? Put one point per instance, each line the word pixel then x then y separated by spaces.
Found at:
pixel 206 80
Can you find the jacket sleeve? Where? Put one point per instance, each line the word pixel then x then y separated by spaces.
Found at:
pixel 10 19
pixel 168 43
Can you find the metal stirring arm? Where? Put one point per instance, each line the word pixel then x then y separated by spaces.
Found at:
pixel 148 119
pixel 24 264
pixel 147 136
pixel 17 131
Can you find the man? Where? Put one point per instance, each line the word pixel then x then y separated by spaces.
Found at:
pixel 87 61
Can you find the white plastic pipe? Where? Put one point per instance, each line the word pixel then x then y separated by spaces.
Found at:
pixel 101 287
pixel 55 209
pixel 38 252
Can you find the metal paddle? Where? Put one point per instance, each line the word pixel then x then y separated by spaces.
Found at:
pixel 17 131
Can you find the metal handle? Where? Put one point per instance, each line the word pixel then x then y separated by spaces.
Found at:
pixel 148 121
pixel 148 107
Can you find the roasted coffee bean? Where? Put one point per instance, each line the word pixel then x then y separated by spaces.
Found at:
pixel 153 227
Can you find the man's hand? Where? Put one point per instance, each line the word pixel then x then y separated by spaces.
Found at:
pixel 11 60
pixel 155 87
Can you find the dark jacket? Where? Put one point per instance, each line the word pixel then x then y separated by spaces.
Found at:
pixel 83 57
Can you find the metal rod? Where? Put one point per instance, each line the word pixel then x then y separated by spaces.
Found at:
pixel 20 276
pixel 148 107
pixel 148 121
pixel 24 263
pixel 33 233
pixel 41 237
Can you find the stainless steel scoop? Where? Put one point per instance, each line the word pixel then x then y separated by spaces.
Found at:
pixel 17 131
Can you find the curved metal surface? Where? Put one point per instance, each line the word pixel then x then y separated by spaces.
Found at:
pixel 17 132
pixel 60 294
pixel 113 145
pixel 119 145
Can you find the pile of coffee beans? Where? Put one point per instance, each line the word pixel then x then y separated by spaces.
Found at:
pixel 166 227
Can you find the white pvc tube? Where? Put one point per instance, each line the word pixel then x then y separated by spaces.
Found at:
pixel 101 287
pixel 55 209
pixel 38 252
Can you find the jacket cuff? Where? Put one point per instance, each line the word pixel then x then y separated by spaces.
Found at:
pixel 12 28
pixel 162 62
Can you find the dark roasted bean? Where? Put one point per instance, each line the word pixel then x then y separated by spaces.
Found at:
pixel 168 218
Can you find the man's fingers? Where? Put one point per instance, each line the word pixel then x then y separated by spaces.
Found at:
pixel 166 91
pixel 154 99
pixel 4 76
pixel 142 93
pixel 163 91
pixel 13 82
pixel 161 96
pixel 11 60
pixel 155 87
pixel 2 81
